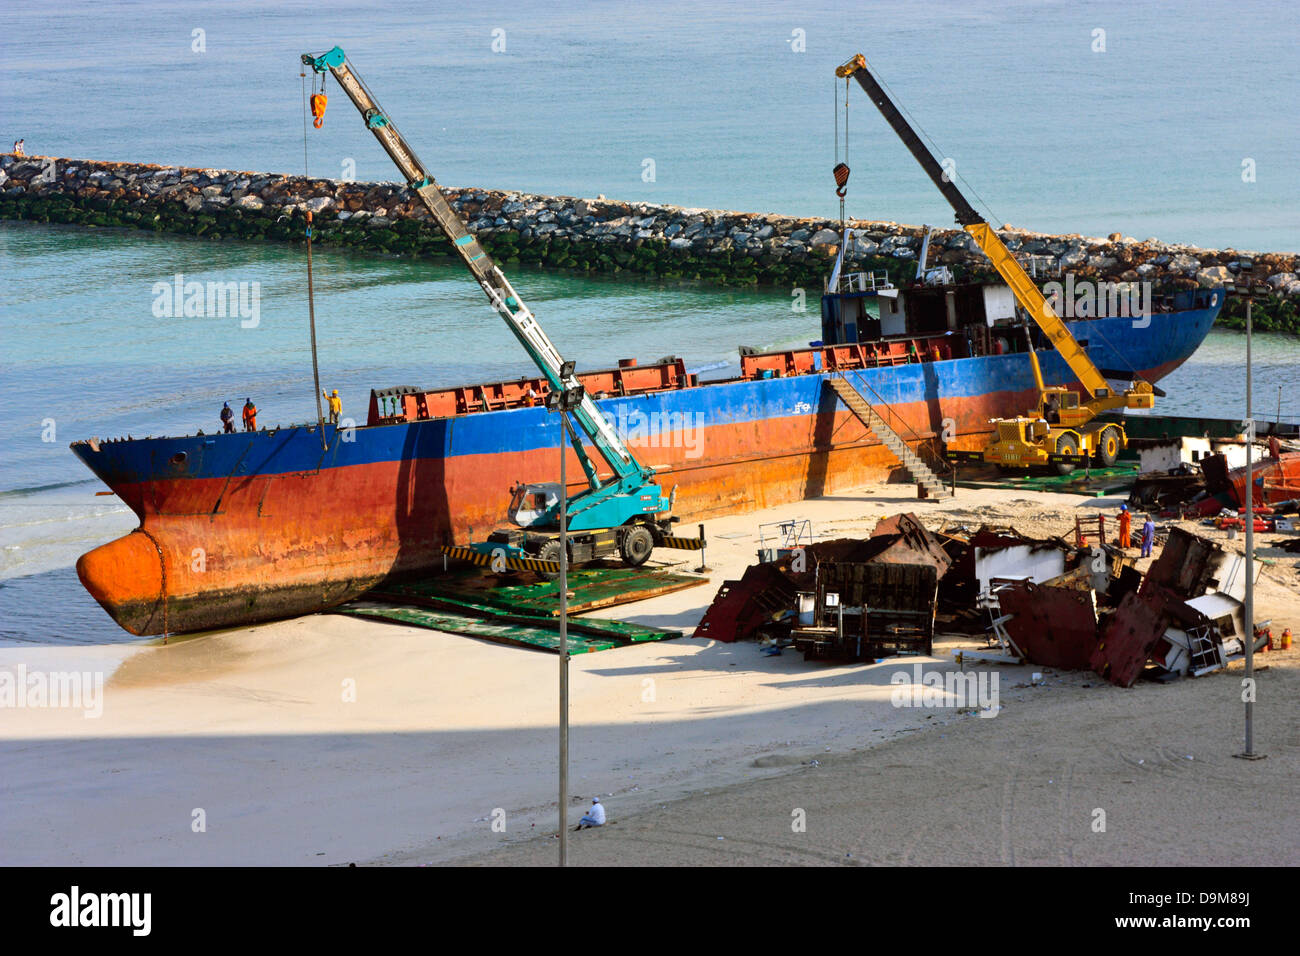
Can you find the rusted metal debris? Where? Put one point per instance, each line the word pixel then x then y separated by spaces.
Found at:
pixel 1129 637
pixel 1102 615
pixel 852 598
pixel 741 608
pixel 1048 595
pixel 1052 626
pixel 1191 615
pixel 1054 603
pixel 867 610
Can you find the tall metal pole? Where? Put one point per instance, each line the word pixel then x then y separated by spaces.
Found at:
pixel 564 641
pixel 1249 753
pixel 1250 545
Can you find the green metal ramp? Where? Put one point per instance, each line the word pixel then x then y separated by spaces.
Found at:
pixel 1097 484
pixel 589 588
pixel 525 615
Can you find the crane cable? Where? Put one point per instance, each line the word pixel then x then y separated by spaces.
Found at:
pixel 311 292
pixel 933 145
pixel 303 74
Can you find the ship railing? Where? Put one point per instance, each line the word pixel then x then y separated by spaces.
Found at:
pixel 864 282
pixel 924 445
pixel 1040 267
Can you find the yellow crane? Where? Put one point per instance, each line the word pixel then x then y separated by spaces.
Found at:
pixel 1061 430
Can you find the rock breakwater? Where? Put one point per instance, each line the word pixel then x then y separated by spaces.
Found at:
pixel 600 235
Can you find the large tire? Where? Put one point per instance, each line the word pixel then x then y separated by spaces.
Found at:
pixel 636 545
pixel 1066 445
pixel 1108 445
pixel 550 551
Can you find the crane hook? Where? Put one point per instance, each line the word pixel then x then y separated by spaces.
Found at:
pixel 318 101
pixel 841 174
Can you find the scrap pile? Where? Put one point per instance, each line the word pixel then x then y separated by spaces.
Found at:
pixel 842 600
pixel 1044 597
pixel 1185 616
pixel 1215 484
pixel 1076 604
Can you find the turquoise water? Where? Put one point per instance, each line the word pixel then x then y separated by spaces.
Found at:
pixel 1146 138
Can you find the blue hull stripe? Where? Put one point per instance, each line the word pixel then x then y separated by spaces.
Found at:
pixel 1112 343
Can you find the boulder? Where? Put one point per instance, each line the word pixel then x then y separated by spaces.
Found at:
pixel 1214 276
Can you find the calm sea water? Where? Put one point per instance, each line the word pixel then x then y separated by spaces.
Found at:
pixel 1147 138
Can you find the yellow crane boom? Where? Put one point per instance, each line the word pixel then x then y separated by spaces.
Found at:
pixel 1036 444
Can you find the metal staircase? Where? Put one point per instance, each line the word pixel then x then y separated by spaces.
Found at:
pixel 917 468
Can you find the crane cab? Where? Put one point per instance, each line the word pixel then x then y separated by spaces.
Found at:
pixel 1060 406
pixel 535 505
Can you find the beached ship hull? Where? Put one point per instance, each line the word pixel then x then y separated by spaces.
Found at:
pixel 249 527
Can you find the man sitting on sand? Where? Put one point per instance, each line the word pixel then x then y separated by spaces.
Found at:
pixel 595 817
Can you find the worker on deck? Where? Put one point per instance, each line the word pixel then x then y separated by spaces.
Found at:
pixel 336 406
pixel 1148 536
pixel 227 418
pixel 1125 527
pixel 250 415
pixel 595 817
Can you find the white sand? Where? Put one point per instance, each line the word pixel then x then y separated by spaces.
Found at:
pixel 251 726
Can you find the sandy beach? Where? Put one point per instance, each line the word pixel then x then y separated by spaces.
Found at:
pixel 328 739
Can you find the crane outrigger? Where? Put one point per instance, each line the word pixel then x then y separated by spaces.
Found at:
pixel 627 512
pixel 1060 430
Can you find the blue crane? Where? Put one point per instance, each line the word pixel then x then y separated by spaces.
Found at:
pixel 631 500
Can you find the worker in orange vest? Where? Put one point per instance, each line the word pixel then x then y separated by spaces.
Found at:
pixel 250 415
pixel 1125 526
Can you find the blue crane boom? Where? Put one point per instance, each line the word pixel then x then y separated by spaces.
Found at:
pixel 632 491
